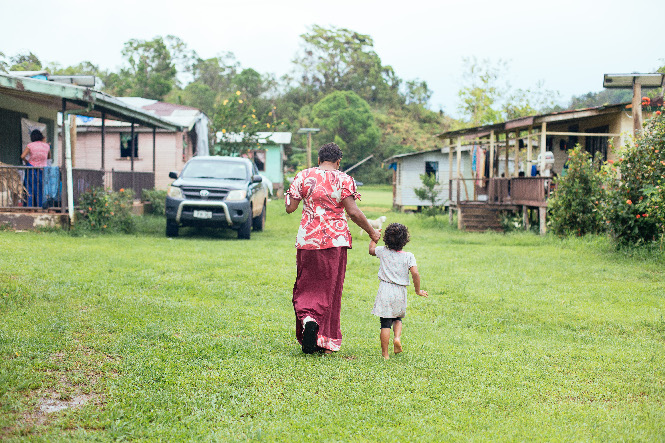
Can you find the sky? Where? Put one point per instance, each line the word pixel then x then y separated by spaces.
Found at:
pixel 567 45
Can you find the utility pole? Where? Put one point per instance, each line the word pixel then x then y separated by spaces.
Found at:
pixel 309 132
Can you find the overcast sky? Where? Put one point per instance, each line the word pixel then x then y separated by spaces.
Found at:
pixel 567 44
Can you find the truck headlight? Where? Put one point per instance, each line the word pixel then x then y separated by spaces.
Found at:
pixel 236 195
pixel 174 192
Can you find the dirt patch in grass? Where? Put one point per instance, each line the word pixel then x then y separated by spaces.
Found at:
pixel 66 387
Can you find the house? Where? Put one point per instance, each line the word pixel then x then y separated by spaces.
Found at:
pixel 538 147
pixel 25 102
pixel 269 157
pixel 407 169
pixel 172 149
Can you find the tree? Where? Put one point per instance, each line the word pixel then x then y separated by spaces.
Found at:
pixel 239 123
pixel 429 193
pixel 346 119
pixel 151 72
pixel 25 62
pixel 635 204
pixel 575 207
pixel 339 59
pixel 417 92
pixel 3 62
pixel 482 91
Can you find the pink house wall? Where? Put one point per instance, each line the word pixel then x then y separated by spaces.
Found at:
pixel 168 147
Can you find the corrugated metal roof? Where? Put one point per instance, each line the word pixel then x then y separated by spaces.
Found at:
pixel 525 122
pixel 278 138
pixel 85 101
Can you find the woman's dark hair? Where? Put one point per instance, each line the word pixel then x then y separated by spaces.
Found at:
pixel 36 135
pixel 396 236
pixel 330 152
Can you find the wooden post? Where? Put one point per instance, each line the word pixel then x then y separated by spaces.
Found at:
pixel 637 107
pixel 516 163
pixel 72 137
pixel 63 170
pixel 492 154
pixel 103 136
pixel 309 149
pixel 459 175
pixel 542 213
pixel 450 182
pixel 525 217
pixel 505 164
pixel 154 148
pixel 529 154
pixel 543 147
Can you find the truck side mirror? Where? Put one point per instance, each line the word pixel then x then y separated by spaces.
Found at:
pixel 257 179
pixel 173 175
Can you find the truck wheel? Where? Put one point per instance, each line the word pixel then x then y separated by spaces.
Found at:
pixel 171 228
pixel 245 230
pixel 258 223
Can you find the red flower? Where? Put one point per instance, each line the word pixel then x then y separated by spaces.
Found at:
pixel 657 112
pixel 644 215
pixel 610 162
pixel 637 216
pixel 629 202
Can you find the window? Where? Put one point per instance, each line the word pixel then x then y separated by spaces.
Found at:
pixel 432 168
pixel 126 145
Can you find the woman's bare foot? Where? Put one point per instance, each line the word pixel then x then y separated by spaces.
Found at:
pixel 397 343
pixel 386 356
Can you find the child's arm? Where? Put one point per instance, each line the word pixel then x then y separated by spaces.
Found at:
pixel 372 246
pixel 416 281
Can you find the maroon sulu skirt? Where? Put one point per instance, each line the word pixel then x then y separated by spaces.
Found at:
pixel 317 293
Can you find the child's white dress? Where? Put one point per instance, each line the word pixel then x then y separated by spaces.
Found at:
pixel 393 280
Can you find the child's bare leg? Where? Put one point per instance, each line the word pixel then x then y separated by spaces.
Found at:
pixel 385 340
pixel 397 341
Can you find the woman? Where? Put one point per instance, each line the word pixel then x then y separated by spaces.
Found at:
pixel 322 241
pixel 35 154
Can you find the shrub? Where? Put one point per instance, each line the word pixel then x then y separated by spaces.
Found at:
pixel 104 211
pixel 430 194
pixel 634 207
pixel 575 208
pixel 158 200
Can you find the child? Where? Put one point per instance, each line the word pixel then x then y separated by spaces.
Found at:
pixel 395 264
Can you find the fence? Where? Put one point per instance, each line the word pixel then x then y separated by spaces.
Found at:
pixel 27 187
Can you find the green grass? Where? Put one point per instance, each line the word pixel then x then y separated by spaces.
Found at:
pixel 522 338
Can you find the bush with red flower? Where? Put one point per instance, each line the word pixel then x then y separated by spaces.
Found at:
pixel 634 205
pixel 104 211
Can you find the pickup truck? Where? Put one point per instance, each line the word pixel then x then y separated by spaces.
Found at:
pixel 217 192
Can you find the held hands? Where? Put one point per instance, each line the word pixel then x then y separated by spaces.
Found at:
pixel 422 293
pixel 375 235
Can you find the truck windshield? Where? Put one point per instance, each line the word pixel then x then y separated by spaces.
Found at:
pixel 215 169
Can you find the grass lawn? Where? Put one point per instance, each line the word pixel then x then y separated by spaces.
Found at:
pixel 143 337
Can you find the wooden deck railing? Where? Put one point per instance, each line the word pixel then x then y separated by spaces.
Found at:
pixel 518 191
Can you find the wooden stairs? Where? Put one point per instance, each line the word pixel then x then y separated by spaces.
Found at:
pixel 479 218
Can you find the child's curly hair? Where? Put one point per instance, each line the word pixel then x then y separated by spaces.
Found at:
pixel 396 236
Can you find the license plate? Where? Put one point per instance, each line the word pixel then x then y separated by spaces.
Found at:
pixel 202 214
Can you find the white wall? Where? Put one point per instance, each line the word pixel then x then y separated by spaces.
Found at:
pixel 411 167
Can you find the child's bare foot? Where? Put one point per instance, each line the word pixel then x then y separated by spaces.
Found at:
pixel 397 343
pixel 386 356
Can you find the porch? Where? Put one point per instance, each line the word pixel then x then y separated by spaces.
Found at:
pixel 47 196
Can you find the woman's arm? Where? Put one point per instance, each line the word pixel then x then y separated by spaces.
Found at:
pixel 25 153
pixel 359 218
pixel 290 203
pixel 416 281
